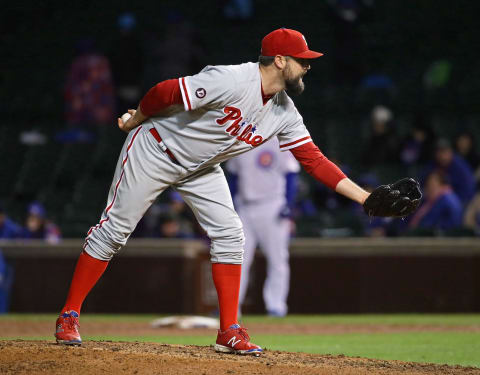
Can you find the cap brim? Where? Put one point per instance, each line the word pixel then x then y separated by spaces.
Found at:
pixel 308 55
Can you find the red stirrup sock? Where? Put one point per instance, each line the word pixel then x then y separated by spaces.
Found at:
pixel 87 272
pixel 226 278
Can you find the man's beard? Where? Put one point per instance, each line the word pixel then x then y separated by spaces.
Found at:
pixel 294 86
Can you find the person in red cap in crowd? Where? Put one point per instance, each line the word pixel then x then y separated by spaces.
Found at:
pixel 178 136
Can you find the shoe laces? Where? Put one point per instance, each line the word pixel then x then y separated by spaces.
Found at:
pixel 72 322
pixel 243 332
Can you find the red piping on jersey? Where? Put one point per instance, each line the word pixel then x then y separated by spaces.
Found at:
pixel 99 225
pixel 318 165
pixel 161 96
pixel 186 93
pixel 294 142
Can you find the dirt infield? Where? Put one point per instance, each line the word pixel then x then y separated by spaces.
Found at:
pixel 40 357
pixel 46 357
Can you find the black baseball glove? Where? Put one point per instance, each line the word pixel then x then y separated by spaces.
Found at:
pixel 399 199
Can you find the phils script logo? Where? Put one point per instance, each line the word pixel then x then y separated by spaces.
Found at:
pixel 239 128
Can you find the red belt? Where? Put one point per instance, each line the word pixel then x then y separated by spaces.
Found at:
pixel 155 134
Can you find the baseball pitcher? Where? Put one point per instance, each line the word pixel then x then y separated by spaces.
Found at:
pixel 180 133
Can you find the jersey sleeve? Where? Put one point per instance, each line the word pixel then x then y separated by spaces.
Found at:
pixel 213 86
pixel 295 133
pixel 161 96
pixel 317 165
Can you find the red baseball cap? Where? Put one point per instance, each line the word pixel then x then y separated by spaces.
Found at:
pixel 287 42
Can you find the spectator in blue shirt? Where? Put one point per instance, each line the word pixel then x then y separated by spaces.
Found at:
pixel 417 147
pixel 8 228
pixel 441 209
pixel 465 147
pixel 37 226
pixel 455 168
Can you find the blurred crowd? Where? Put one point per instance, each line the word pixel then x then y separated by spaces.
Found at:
pixel 36 225
pixel 447 169
pixel 101 83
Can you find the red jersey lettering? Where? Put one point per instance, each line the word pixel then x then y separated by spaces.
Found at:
pixel 234 129
pixel 256 141
pixel 235 115
pixel 245 132
pixel 232 114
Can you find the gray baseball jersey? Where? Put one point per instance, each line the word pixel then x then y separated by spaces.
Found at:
pixel 223 116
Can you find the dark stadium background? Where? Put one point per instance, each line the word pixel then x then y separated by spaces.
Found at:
pixel 400 39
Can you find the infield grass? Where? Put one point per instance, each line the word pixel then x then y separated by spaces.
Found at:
pixel 443 347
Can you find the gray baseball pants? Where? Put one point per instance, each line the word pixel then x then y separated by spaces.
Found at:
pixel 142 173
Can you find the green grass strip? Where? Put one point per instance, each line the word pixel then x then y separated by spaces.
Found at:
pixel 371 319
pixel 344 319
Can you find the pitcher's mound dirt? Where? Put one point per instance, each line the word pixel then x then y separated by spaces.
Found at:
pixel 42 357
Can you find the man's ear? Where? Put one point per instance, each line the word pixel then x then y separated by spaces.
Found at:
pixel 280 62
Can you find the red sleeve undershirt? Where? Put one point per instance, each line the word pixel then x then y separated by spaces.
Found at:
pixel 318 165
pixel 161 96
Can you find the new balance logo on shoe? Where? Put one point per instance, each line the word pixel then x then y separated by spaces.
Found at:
pixel 233 342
